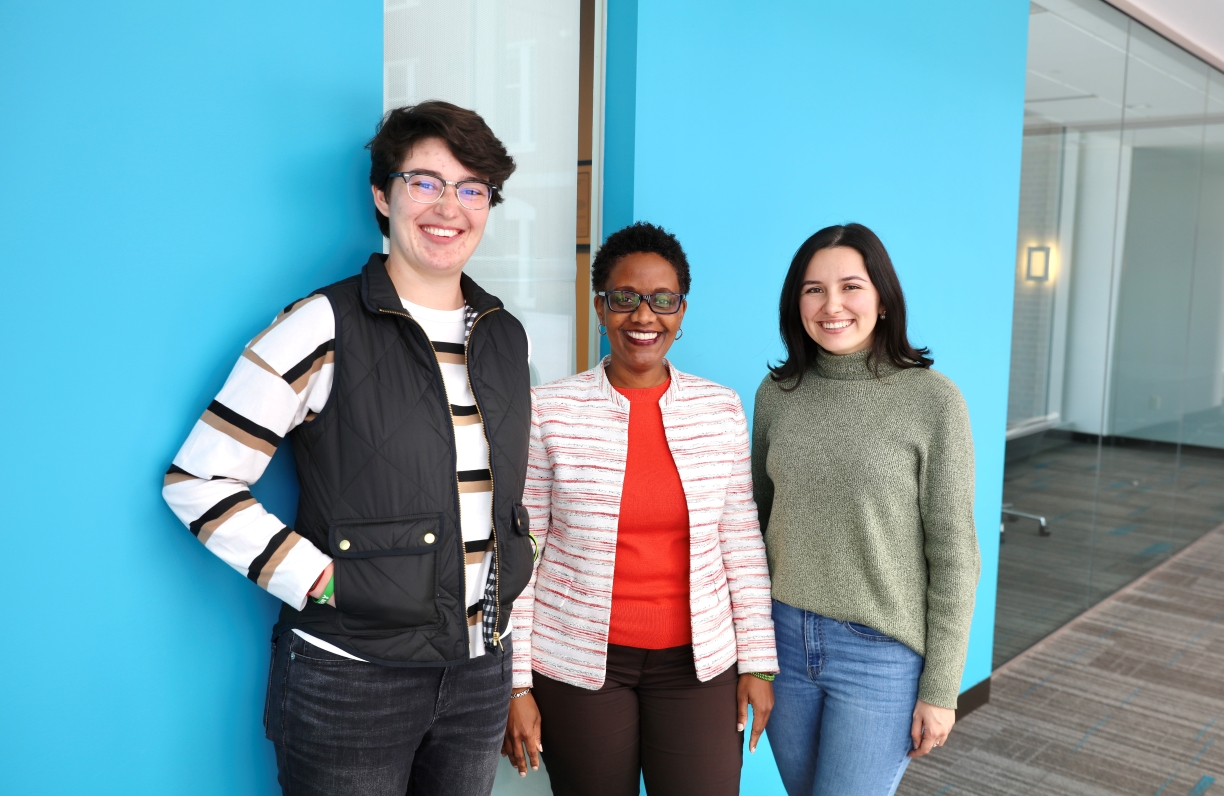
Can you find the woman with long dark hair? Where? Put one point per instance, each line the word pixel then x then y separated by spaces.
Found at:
pixel 862 465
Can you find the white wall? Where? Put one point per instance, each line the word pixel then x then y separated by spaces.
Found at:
pixel 1101 208
pixel 1049 187
pixel 1167 356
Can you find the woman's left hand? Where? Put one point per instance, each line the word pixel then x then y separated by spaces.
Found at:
pixel 930 728
pixel 754 691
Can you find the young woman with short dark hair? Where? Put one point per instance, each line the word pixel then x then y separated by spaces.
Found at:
pixel 406 392
pixel 862 465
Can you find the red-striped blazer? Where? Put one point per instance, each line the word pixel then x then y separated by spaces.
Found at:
pixel 579 444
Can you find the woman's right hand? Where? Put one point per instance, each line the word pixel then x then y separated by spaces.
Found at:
pixel 316 591
pixel 523 728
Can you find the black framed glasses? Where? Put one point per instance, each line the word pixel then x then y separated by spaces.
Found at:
pixel 428 188
pixel 628 301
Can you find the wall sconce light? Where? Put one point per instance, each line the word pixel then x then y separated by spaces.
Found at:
pixel 1038 267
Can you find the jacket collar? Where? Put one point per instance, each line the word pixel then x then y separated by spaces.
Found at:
pixel 671 396
pixel 378 292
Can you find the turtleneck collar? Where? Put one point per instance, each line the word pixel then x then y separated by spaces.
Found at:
pixel 850 367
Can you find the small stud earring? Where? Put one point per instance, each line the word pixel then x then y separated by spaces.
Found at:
pixel 603 330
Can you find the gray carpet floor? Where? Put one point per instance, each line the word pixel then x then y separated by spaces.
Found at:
pixel 1114 513
pixel 1126 699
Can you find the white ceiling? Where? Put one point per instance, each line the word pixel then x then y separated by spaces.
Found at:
pixel 1197 24
pixel 1089 68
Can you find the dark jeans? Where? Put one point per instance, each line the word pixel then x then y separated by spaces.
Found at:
pixel 349 728
pixel 651 719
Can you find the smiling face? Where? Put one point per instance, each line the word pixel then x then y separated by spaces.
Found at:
pixel 432 240
pixel 837 301
pixel 640 339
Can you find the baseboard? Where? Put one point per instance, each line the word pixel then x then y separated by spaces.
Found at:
pixel 973 699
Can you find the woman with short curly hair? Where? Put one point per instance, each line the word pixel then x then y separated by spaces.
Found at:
pixel 645 633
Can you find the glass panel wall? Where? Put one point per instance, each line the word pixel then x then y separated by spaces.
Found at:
pixel 1115 437
pixel 515 62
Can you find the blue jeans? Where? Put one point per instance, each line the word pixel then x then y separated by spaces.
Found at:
pixel 346 728
pixel 844 706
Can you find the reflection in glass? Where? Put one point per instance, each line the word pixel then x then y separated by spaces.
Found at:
pixel 519 70
pixel 1115 434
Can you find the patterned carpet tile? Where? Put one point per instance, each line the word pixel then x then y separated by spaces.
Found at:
pixel 1126 700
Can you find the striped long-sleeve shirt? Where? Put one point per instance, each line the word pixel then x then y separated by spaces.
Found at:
pixel 284 378
pixel 575 471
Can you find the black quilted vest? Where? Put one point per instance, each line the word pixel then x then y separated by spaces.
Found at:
pixel 377 472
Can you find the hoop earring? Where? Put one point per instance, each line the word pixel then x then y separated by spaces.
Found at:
pixel 679 333
pixel 603 330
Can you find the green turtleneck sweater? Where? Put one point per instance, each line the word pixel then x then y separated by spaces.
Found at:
pixel 865 492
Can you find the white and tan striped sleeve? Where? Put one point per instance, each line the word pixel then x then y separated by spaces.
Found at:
pixel 282 379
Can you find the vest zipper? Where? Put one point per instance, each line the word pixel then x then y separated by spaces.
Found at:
pixel 492 493
pixel 455 448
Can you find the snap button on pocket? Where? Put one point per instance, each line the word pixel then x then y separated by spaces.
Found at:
pixel 429 538
pixel 344 544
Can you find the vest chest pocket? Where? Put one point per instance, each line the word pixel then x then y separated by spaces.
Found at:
pixel 386 572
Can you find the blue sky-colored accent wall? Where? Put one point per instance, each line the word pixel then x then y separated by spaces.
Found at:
pixel 755 125
pixel 173 175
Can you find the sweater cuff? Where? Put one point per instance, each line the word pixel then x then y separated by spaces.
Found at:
pixel 522 679
pixel 758 665
pixel 938 690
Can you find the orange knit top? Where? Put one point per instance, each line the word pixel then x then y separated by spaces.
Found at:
pixel 650 585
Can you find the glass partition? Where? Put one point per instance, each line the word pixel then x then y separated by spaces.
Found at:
pixel 515 62
pixel 1115 438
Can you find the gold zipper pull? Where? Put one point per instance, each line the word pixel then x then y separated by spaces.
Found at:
pixel 497 640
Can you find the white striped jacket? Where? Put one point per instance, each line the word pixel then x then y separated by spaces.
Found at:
pixel 579 445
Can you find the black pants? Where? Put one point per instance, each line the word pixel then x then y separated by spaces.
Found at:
pixel 652 718
pixel 349 728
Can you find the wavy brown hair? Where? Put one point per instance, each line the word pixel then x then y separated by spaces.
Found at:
pixel 890 341
pixel 466 135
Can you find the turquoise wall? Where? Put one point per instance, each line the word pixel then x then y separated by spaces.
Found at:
pixel 750 126
pixel 170 176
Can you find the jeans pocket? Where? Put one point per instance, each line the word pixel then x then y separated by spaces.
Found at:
pixel 867 632
pixel 303 650
pixel 268 692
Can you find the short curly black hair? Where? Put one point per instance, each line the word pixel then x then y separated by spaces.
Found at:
pixel 639 238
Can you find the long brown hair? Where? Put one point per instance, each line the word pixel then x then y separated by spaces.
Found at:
pixel 890 342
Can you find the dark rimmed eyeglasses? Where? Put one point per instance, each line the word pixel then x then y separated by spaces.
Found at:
pixel 628 301
pixel 428 188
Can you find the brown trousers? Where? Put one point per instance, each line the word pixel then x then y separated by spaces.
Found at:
pixel 652 718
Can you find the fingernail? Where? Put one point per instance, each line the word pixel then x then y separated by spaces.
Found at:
pixel 752 750
pixel 739 727
pixel 522 773
pixel 535 768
